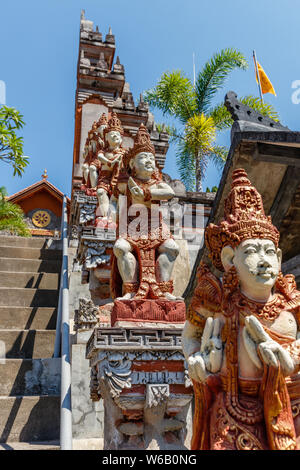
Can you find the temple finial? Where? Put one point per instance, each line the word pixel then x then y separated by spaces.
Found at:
pixel 45 175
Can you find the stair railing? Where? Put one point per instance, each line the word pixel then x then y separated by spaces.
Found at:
pixel 62 339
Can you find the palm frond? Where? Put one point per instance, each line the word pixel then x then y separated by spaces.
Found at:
pixel 200 133
pixel 213 75
pixel 265 109
pixel 173 95
pixel 173 133
pixel 186 165
pixel 218 156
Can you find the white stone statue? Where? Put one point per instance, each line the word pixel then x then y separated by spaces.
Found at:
pixel 111 157
pixel 145 188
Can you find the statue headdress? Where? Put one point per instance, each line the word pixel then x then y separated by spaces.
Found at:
pixel 244 218
pixel 102 121
pixel 142 143
pixel 114 124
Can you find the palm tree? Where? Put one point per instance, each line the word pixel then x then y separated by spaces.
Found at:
pixel 12 217
pixel 176 97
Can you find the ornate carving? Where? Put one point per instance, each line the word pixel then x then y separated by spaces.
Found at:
pixel 156 394
pixel 95 254
pixel 114 370
pixel 135 339
pixel 148 310
pixel 94 389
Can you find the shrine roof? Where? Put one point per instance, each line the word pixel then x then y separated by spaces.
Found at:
pixel 36 187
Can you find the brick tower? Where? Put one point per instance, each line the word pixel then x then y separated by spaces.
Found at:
pixel 101 88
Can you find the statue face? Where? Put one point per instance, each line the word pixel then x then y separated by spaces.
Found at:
pixel 114 138
pixel 144 164
pixel 257 263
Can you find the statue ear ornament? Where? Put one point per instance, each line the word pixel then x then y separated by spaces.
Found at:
pixel 230 283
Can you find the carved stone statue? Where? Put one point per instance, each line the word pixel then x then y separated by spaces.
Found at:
pixel 92 164
pixel 111 157
pixel 240 337
pixel 145 260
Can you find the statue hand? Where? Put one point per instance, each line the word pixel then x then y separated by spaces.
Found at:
pixel 135 189
pixel 271 352
pixel 211 345
pixel 116 160
pixel 196 365
pixel 209 358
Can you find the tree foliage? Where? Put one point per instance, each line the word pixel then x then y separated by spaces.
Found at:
pixel 12 217
pixel 11 146
pixel 199 122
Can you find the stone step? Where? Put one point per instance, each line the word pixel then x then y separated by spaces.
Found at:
pixel 21 252
pixel 26 297
pixel 30 242
pixel 30 377
pixel 30 265
pixel 32 280
pixel 28 318
pixel 50 445
pixel 29 419
pixel 26 344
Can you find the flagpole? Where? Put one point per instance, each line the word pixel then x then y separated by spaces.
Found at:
pixel 258 77
pixel 194 69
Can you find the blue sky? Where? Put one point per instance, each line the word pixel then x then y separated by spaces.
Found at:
pixel 38 58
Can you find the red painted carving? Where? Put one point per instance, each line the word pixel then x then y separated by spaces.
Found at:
pixel 148 310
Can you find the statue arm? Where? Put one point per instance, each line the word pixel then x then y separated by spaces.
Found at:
pixel 162 191
pixel 294 351
pixel 102 158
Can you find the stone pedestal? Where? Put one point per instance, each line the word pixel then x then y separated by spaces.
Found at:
pixel 140 374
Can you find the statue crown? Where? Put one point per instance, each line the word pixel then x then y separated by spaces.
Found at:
pixel 102 121
pixel 142 142
pixel 114 124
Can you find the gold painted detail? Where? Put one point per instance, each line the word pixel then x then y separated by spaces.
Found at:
pixel 41 218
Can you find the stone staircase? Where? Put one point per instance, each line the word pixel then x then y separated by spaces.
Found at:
pixel 29 376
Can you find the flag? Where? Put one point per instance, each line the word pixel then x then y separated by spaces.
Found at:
pixel 266 85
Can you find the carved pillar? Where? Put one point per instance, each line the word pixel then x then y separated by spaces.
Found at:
pixel 141 375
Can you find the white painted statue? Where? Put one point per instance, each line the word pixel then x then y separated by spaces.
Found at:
pixel 145 188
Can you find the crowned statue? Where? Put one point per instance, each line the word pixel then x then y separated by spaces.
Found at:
pixel 111 161
pixel 143 260
pixel 240 339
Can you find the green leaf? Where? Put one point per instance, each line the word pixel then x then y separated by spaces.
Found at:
pixel 173 95
pixel 212 77
pixel 265 109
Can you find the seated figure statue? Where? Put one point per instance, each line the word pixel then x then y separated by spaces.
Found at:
pixel 240 337
pixel 145 262
pixel 111 159
pixel 93 146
